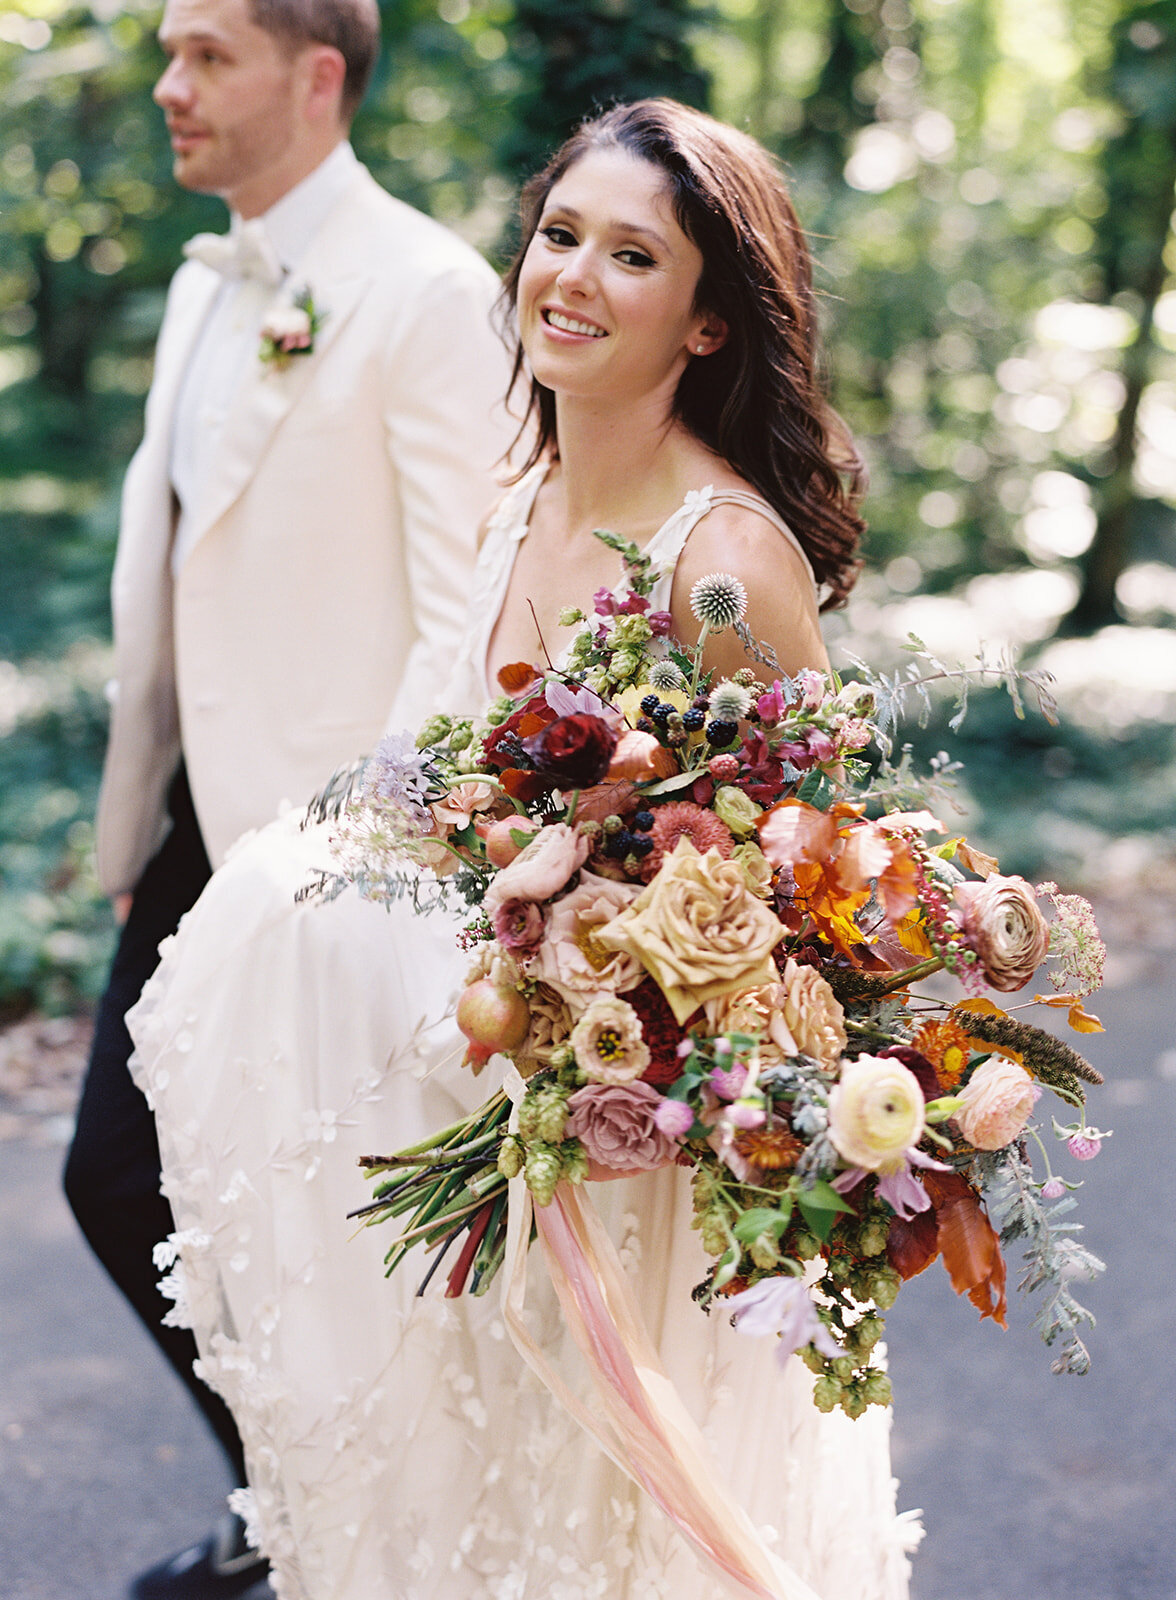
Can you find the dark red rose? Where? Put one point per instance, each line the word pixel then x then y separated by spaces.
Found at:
pixel 660 1031
pixel 573 752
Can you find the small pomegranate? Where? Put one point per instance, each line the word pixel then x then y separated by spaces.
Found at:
pixel 501 849
pixel 492 1019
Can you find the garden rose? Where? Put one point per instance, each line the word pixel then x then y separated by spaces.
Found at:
pixel 617 1125
pixel 998 1099
pixel 571 958
pixel 1003 925
pixel 540 869
pixel 697 930
pixel 608 1043
pixel 812 1013
pixel 875 1112
pixel 550 1024
pixel 737 810
pixel 573 752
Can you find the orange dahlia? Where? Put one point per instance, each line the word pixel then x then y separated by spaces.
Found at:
pixel 682 819
pixel 946 1046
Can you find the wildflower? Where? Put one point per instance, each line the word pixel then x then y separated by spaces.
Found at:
pixel 718 601
pixel 1086 1145
pixel 395 776
pixel 782 1306
pixel 675 1118
pixel 1053 1189
pixel 1074 942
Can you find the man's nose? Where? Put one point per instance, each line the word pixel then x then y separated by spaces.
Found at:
pixel 173 87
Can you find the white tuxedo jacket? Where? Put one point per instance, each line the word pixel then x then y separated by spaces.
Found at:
pixel 327 578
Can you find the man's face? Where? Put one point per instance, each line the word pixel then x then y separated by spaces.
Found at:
pixel 232 96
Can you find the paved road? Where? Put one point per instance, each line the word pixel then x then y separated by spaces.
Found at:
pixel 1033 1487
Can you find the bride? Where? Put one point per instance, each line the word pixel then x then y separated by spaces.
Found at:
pixel 398 1448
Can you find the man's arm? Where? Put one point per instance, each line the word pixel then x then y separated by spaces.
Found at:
pixel 447 429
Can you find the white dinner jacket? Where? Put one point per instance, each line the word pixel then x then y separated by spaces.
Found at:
pixel 326 582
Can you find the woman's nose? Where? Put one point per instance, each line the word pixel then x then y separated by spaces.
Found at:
pixel 577 275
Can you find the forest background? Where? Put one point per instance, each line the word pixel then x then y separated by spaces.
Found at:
pixel 990 186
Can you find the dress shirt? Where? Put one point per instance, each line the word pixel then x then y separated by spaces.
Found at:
pixel 231 336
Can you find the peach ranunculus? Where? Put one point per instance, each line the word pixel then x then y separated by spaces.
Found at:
pixel 1004 926
pixel 875 1112
pixel 571 958
pixel 697 930
pixel 998 1100
pixel 540 869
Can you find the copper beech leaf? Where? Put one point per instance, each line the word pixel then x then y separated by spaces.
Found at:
pixel 968 1244
pixel 911 1246
pixel 516 676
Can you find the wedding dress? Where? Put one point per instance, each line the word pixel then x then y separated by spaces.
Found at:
pixel 398 1447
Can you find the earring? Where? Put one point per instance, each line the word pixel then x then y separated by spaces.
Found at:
pixel 700 349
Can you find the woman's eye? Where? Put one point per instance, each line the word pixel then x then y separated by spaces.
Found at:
pixel 635 258
pixel 554 234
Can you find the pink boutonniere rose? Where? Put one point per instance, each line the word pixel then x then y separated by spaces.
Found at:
pixel 290 329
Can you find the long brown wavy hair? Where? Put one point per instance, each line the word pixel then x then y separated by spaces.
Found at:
pixel 756 401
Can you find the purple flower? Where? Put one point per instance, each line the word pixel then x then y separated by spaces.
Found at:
pixel 566 701
pixel 727 1082
pixel 396 775
pixel 771 706
pixel 782 1306
pixel 662 624
pixel 518 924
pixel 897 1184
pixel 674 1118
pixel 1085 1146
pixel 1053 1189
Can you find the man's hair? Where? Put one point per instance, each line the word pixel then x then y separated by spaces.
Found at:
pixel 350 26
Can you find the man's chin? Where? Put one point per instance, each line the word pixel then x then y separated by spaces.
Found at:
pixel 190 173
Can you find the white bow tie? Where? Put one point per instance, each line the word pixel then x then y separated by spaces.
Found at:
pixel 244 253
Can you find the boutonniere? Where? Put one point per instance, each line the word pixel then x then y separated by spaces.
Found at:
pixel 290 329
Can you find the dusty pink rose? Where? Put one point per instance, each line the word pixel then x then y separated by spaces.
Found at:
pixel 998 1099
pixel 541 869
pixel 571 959
pixel 617 1125
pixel 1002 923
pixel 518 925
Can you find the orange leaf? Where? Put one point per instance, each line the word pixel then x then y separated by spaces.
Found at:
pixel 515 676
pixel 1083 1021
pixel 982 1007
pixel 968 1244
pixel 794 832
pixel 975 860
pixel 1058 1001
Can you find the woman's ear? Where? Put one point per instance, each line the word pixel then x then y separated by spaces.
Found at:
pixel 710 336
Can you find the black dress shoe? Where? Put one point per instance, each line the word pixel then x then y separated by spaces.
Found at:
pixel 221 1568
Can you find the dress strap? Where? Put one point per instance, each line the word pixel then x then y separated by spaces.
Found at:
pixel 670 540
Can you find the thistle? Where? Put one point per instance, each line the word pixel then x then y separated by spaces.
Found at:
pixel 718 601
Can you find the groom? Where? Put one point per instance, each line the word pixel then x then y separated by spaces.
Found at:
pixel 296 540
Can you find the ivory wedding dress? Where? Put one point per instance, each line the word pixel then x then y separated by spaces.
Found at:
pixel 398 1447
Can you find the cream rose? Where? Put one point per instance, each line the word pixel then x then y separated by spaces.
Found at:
pixel 875 1112
pixel 813 1013
pixel 1003 924
pixel 697 930
pixel 571 958
pixel 998 1100
pixel 738 810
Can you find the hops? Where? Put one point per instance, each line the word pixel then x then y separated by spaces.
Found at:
pixel 718 601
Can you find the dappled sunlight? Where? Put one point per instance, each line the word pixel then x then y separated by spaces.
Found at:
pixel 1119 677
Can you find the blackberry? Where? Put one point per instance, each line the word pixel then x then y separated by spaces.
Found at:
pixel 642 821
pixel 663 714
pixel 693 719
pixel 640 844
pixel 650 704
pixel 644 725
pixel 720 733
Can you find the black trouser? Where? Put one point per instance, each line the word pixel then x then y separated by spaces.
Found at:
pixel 112 1172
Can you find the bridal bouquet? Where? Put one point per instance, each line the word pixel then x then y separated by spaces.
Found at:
pixel 697 914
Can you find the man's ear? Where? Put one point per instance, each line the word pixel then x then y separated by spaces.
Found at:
pixel 325 71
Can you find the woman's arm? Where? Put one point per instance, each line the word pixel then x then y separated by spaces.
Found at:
pixel 782 605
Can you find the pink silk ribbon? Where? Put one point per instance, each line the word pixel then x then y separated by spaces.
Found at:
pixel 645 1430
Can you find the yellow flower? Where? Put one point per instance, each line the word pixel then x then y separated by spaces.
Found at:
pixel 697 930
pixel 629 700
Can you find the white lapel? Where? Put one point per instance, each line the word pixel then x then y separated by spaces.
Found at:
pixel 267 393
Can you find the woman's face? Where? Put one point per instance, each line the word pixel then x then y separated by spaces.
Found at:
pixel 606 294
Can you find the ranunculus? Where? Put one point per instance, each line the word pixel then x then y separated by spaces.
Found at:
pixel 697 930
pixel 518 924
pixel 574 751
pixel 617 1125
pixel 540 869
pixel 608 1043
pixel 1003 924
pixel 875 1112
pixel 571 958
pixel 674 1117
pixel 501 848
pixel 998 1100
pixel 757 869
